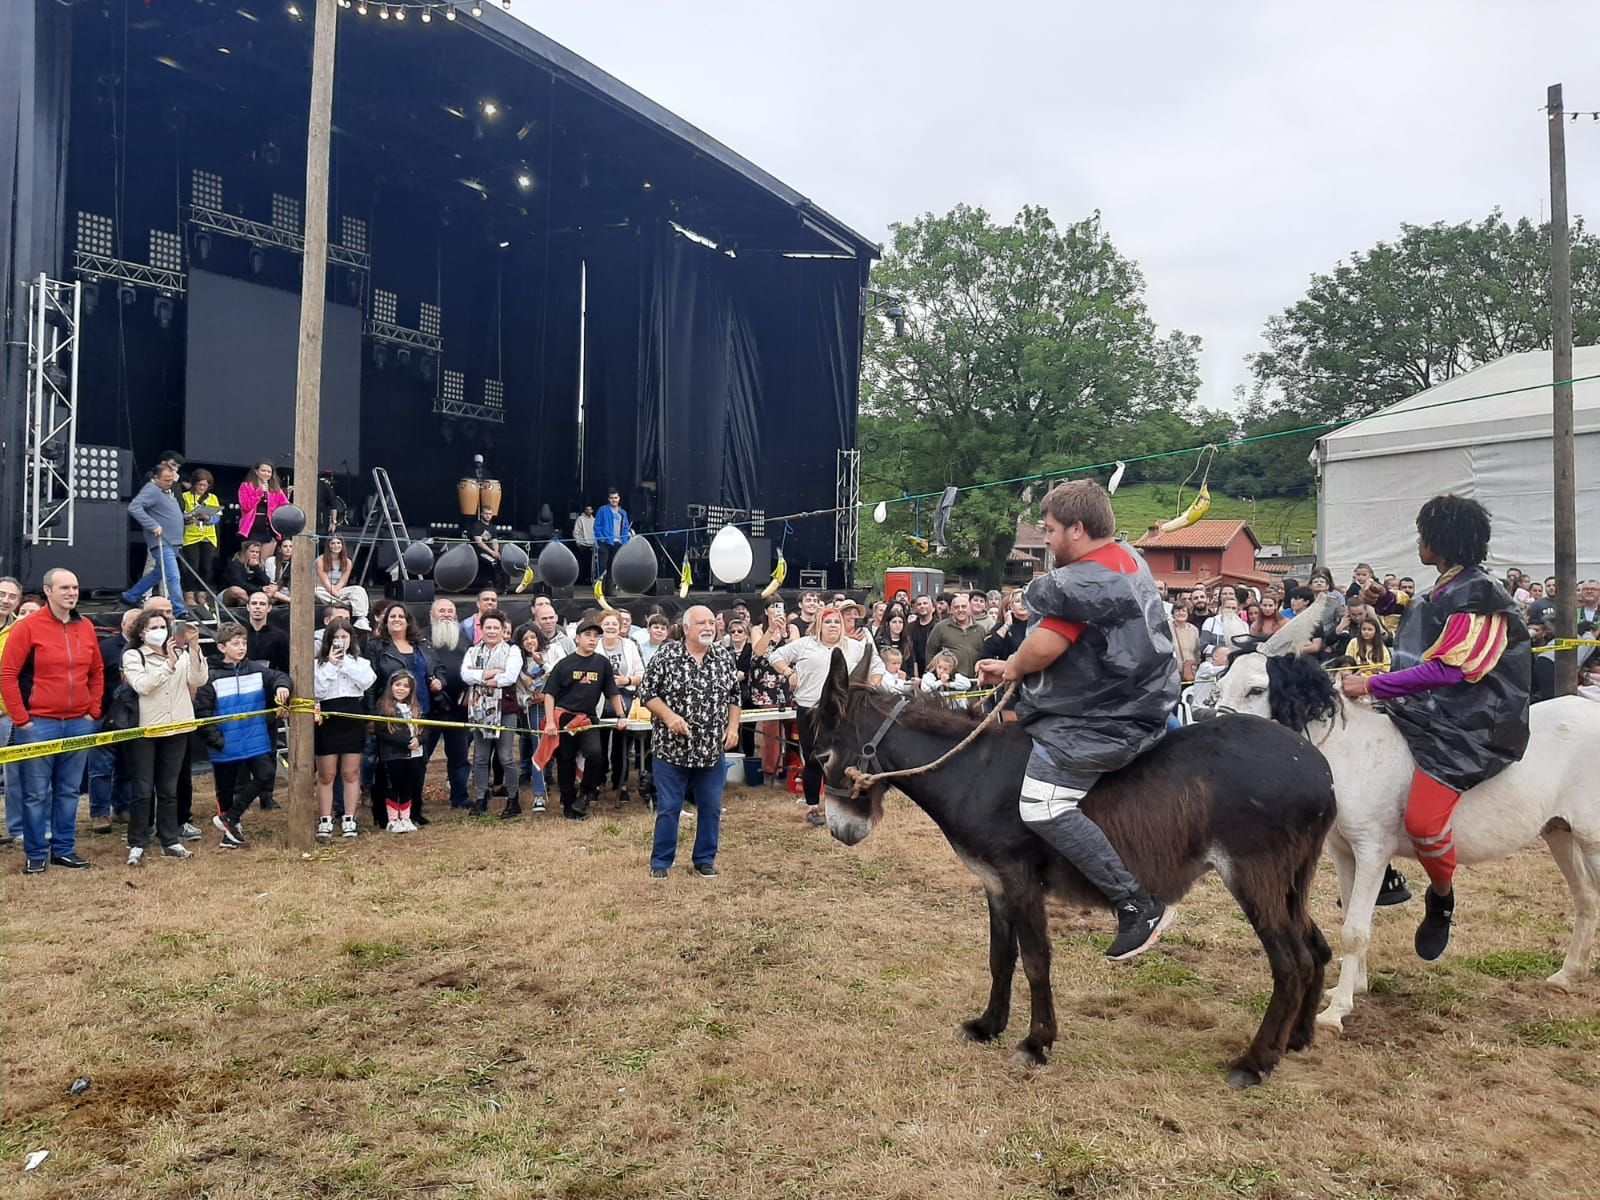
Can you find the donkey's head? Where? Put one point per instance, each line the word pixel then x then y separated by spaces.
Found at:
pixel 1282 687
pixel 846 721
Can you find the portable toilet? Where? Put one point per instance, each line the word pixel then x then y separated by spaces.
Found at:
pixel 919 581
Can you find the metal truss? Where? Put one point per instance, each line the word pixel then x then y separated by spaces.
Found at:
pixel 54 308
pixel 103 266
pixel 270 235
pixel 469 410
pixel 399 335
pixel 847 514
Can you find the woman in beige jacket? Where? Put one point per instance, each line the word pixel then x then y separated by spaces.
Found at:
pixel 165 673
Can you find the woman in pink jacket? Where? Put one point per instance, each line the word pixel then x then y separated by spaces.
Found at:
pixel 260 495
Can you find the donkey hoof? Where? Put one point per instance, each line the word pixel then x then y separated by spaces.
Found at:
pixel 978 1031
pixel 1330 1021
pixel 1028 1058
pixel 1561 980
pixel 1242 1077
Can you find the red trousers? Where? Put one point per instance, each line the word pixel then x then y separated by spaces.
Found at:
pixel 1428 813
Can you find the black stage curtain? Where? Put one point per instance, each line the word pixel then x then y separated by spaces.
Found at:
pixel 719 379
pixel 35 69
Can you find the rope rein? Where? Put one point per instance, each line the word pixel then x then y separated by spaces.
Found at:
pixel 861 781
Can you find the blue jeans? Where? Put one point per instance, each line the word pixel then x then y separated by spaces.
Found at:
pixel 165 563
pixel 673 785
pixel 13 778
pixel 51 787
pixel 110 789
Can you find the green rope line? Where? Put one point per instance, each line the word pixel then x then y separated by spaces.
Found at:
pixel 1228 445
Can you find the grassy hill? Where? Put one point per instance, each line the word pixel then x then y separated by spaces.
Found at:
pixel 1274 520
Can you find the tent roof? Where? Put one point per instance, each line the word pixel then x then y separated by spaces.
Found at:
pixel 1510 401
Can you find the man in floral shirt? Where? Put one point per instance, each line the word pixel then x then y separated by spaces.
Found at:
pixel 692 691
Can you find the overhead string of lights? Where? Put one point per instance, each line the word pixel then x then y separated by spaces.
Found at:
pixel 424 10
pixel 1574 116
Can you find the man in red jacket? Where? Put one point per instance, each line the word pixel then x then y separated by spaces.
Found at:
pixel 51 679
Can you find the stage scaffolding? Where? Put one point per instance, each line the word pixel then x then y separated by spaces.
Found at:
pixel 54 311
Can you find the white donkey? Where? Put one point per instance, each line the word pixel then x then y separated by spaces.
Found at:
pixel 1551 794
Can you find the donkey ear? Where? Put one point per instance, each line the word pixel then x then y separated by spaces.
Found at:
pixel 1293 637
pixel 834 689
pixel 863 671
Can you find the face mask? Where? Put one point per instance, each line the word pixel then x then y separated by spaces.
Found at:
pixel 155 637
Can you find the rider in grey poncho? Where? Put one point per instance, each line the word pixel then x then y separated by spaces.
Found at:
pixel 1097 686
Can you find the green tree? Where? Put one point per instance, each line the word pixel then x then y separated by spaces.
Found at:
pixel 1404 316
pixel 1029 348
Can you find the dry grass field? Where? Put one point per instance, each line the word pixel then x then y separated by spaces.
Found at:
pixel 518 1011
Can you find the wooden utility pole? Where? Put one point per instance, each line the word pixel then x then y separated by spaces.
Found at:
pixel 308 427
pixel 1566 501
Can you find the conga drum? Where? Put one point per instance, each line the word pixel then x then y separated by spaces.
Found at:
pixel 467 496
pixel 489 496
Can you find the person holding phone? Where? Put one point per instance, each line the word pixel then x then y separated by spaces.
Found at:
pixel 164 665
pixel 340 685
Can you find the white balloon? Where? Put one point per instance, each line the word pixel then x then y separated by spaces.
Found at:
pixel 1116 478
pixel 731 556
pixel 880 514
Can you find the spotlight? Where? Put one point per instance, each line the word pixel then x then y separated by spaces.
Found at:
pixel 258 260
pixel 163 309
pixel 202 244
pixel 125 294
pixel 429 367
pixel 490 108
pixel 352 283
pixel 380 355
pixel 898 315
pixel 648 186
pixel 402 357
pixel 503 245
pixel 294 11
pixel 91 296
pixel 524 180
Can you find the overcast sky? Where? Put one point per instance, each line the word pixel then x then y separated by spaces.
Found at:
pixel 1232 148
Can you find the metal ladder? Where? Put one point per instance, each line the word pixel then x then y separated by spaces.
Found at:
pixel 384 524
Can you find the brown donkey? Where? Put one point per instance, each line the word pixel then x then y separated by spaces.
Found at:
pixel 1238 795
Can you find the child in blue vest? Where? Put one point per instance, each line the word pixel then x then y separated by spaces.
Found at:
pixel 245 768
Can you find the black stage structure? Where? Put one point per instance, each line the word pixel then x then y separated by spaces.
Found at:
pixel 530 261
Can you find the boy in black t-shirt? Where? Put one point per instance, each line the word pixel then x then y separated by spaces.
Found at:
pixel 574 687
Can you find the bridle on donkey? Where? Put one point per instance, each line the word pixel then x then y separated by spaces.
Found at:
pixel 864 776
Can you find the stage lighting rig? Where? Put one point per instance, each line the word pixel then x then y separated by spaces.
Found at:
pixel 163 311
pixel 874 303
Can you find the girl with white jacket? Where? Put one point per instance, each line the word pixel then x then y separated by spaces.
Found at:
pixel 165 675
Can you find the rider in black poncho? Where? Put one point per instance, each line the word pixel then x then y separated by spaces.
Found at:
pixel 1098 682
pixel 1459 690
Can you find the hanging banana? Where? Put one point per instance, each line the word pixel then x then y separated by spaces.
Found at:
pixel 600 595
pixel 1200 507
pixel 685 580
pixel 921 543
pixel 779 573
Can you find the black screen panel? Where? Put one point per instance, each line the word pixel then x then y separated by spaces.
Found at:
pixel 244 343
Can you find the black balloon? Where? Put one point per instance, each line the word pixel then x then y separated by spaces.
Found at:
pixel 633 568
pixel 456 569
pixel 558 566
pixel 513 558
pixel 418 558
pixel 287 520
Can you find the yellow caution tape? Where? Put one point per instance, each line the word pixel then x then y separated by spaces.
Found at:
pixel 111 737
pixel 1566 644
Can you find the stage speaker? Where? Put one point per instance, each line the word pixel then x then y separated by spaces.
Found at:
pixel 98 555
pixel 412 591
pixel 761 565
pixel 813 581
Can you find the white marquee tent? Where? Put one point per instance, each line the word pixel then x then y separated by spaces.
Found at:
pixel 1484 434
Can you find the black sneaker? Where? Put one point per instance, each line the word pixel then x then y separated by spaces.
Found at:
pixel 70 861
pixel 1433 935
pixel 232 833
pixel 1394 889
pixel 1139 926
pixel 622 797
pixel 35 867
pixel 658 872
pixel 511 811
pixel 268 804
pixel 705 870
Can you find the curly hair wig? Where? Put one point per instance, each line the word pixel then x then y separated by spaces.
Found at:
pixel 1456 529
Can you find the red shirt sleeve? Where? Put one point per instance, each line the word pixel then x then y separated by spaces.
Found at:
pixel 1071 630
pixel 18 644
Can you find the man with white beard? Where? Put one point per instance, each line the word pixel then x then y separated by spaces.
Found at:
pixel 445 637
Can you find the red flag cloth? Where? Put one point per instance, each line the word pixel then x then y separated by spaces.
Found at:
pixel 549 741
